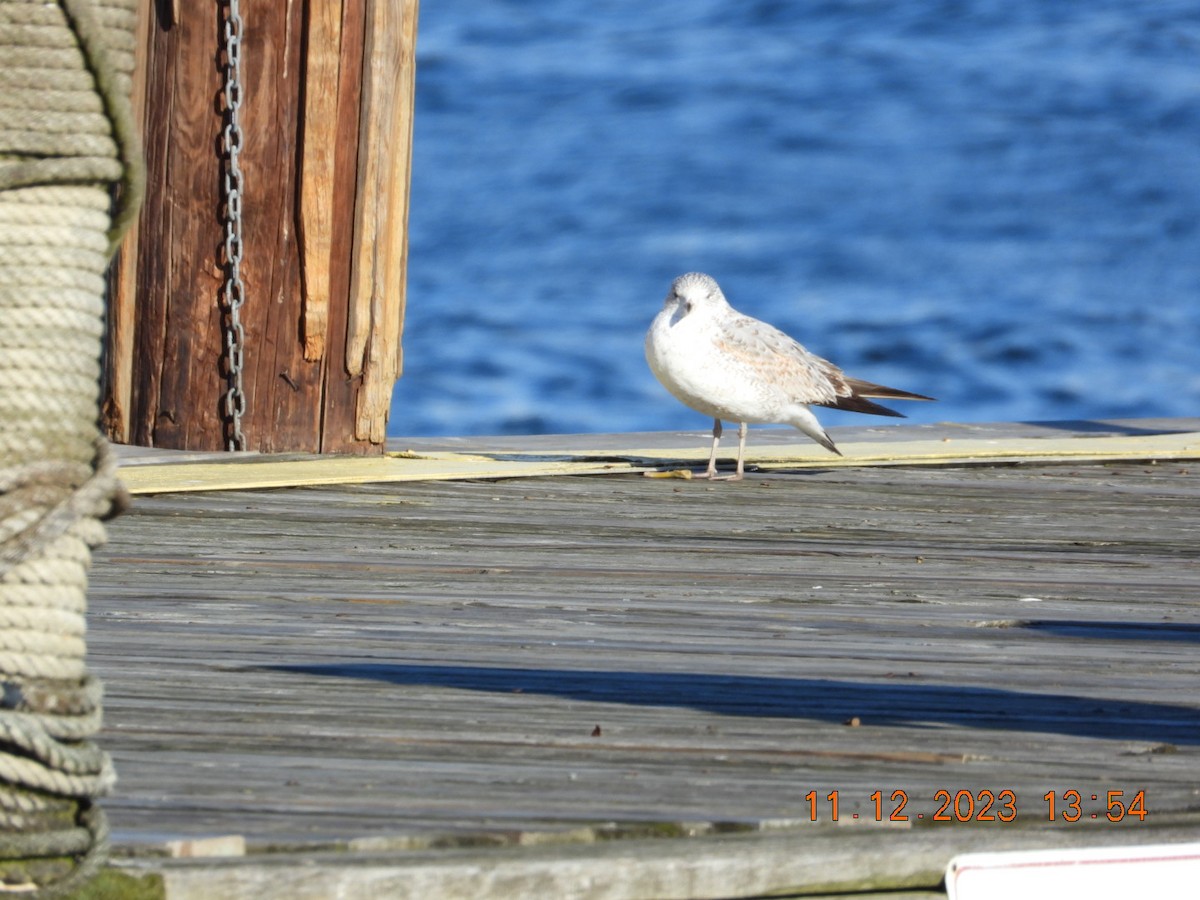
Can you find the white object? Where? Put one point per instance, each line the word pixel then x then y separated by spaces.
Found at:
pixel 1156 871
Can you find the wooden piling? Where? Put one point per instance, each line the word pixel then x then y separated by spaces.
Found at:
pixel 328 123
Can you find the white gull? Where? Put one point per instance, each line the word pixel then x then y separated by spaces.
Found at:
pixel 730 366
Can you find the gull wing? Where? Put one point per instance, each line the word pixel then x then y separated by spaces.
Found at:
pixel 778 359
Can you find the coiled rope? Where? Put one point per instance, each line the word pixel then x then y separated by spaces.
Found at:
pixel 67 147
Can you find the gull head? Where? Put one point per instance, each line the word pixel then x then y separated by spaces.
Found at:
pixel 695 292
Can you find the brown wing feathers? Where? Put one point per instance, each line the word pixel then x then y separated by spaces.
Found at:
pixel 859 390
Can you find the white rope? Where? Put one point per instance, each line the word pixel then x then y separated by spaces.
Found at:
pixel 65 139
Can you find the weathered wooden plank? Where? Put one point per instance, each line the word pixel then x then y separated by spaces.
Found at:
pixel 338 389
pixel 322 49
pixel 159 473
pixel 283 388
pixel 121 316
pixel 179 360
pixel 381 228
pixel 730 866
pixel 439 664
pixel 903 596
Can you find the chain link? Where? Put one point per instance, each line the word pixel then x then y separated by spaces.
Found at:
pixel 233 291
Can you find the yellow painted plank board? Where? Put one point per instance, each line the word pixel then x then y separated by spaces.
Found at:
pixel 945 451
pixel 241 473
pixel 250 474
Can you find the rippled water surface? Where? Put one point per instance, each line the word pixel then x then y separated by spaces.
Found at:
pixel 996 202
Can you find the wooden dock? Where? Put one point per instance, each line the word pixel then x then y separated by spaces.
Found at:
pixel 615 686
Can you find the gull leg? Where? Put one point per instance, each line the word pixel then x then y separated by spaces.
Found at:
pixel 711 471
pixel 712 457
pixel 741 459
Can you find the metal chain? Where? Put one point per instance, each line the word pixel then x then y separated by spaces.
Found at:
pixel 233 291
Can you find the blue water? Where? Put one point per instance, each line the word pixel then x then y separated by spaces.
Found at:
pixel 996 202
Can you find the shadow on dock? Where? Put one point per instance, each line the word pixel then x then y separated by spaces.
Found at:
pixel 1117 631
pixel 1090 427
pixel 805 698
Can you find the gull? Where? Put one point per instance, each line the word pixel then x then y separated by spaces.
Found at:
pixel 730 366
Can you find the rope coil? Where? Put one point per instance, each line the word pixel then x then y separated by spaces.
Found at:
pixel 66 141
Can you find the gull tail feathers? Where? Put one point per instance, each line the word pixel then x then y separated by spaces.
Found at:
pixel 857 400
pixel 867 389
pixel 855 403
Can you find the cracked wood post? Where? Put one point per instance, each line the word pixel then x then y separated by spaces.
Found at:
pixel 327 116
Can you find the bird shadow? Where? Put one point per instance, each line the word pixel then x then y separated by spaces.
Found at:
pixel 900 703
